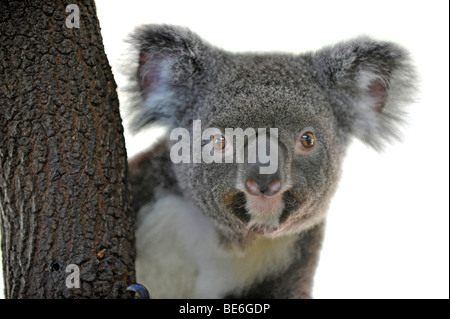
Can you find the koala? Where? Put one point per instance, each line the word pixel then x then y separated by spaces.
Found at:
pixel 217 229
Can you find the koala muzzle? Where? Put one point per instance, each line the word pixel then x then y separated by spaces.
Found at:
pixel 257 183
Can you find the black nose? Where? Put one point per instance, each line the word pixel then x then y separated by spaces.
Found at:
pixel 263 186
pixel 259 178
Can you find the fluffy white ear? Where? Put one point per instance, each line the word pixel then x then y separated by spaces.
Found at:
pixel 368 82
pixel 171 61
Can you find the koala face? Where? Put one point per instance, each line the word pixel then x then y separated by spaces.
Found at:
pixel 296 195
pixel 314 101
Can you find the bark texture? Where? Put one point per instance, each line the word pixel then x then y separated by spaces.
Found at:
pixel 64 194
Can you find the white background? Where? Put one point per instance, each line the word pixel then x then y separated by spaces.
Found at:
pixel 388 225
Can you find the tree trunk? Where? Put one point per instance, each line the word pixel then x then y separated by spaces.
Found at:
pixel 64 196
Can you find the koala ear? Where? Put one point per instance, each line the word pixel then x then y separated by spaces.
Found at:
pixel 368 83
pixel 171 60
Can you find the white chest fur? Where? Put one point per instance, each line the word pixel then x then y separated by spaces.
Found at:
pixel 179 256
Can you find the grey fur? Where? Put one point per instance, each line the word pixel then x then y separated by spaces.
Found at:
pixel 355 88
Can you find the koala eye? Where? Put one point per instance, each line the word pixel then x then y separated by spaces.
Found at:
pixel 219 142
pixel 307 141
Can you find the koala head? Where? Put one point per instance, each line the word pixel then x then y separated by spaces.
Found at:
pixel 313 103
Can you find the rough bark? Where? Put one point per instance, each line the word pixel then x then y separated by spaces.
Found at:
pixel 64 195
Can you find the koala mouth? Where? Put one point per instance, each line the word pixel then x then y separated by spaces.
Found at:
pixel 264 210
pixel 265 205
pixel 260 213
